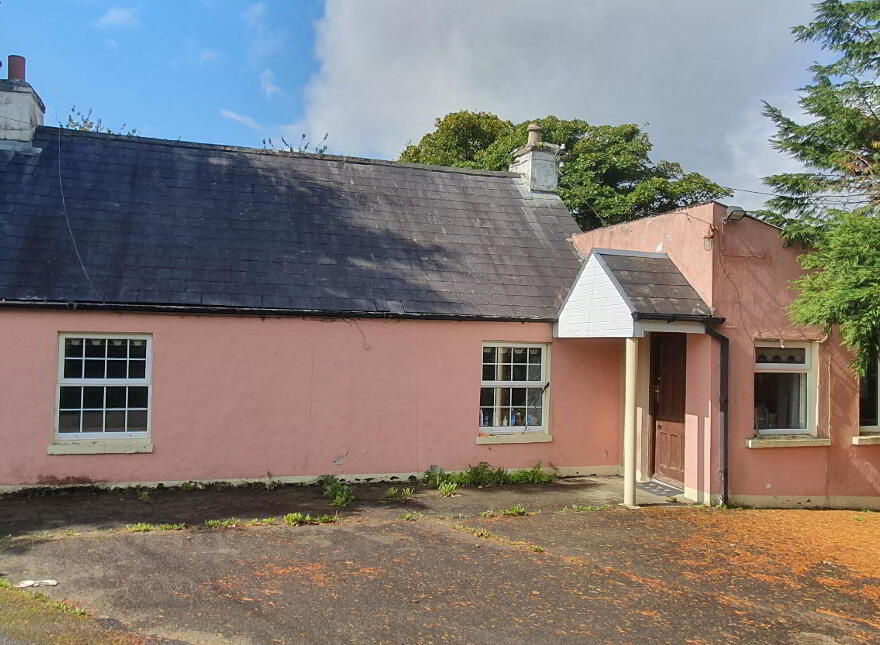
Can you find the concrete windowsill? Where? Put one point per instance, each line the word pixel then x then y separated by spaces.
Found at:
pixel 866 440
pixel 100 447
pixel 522 437
pixel 792 441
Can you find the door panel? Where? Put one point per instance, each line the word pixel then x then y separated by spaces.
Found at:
pixel 668 378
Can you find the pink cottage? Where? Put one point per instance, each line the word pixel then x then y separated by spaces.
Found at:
pixel 172 311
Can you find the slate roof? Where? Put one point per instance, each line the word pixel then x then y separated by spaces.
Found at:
pixel 166 223
pixel 652 285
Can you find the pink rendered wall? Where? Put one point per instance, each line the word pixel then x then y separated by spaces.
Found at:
pixel 242 397
pixel 752 291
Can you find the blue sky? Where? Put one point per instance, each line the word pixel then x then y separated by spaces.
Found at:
pixel 167 68
pixel 374 74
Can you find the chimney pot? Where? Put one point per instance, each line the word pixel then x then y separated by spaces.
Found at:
pixel 534 131
pixel 16 68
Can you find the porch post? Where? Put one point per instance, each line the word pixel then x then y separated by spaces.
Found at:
pixel 629 423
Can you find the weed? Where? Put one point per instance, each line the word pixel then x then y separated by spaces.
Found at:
pixel 408 493
pixel 490 513
pixel 296 519
pixel 411 517
pixel 260 521
pixel 577 508
pixel 188 486
pixel 392 493
pixel 517 510
pixel 70 610
pixel 448 489
pixel 860 518
pixel 172 527
pixel 534 475
pixel 143 495
pixel 228 522
pixel 476 531
pixel 435 476
pixel 483 474
pixel 399 494
pixel 537 549
pixel 141 527
pixel 4 583
pixel 339 493
pixel 327 519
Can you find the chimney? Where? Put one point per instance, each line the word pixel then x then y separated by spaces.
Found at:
pixel 537 162
pixel 21 109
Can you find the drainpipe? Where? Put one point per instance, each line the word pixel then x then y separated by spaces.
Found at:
pixel 724 407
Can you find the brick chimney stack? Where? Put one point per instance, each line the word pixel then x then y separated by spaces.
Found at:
pixel 21 109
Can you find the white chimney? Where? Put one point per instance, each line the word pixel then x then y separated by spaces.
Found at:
pixel 21 109
pixel 537 162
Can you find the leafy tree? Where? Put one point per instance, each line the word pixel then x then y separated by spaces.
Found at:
pixel 606 175
pixel 87 122
pixel 832 207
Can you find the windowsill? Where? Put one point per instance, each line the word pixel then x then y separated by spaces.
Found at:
pixel 866 440
pixel 787 441
pixel 100 447
pixel 520 437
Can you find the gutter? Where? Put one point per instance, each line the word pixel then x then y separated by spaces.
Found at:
pixel 724 408
pixel 699 318
pixel 262 312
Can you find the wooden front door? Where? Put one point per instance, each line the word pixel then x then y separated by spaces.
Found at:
pixel 668 365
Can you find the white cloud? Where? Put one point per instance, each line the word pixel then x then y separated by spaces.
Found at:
pixel 244 119
pixel 691 71
pixel 118 17
pixel 267 83
pixel 263 40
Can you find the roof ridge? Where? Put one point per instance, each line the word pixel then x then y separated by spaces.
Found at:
pixel 269 152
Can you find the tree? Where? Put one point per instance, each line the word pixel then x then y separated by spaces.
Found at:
pixel 831 209
pixel 606 176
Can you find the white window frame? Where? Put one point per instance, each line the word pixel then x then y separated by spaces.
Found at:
pixel 809 367
pixel 146 381
pixel 543 384
pixel 872 430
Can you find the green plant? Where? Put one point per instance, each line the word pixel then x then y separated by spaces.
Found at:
pixel 143 495
pixel 141 527
pixel 490 513
pixel 537 549
pixel 327 519
pixel 391 493
pixel 188 486
pixel 475 530
pixel 577 508
pixel 516 510
pixel 339 493
pixel 408 493
pixel 257 521
pixel 411 517
pixel 65 608
pixel 172 527
pixel 434 476
pixel 296 519
pixel 228 522
pixel 481 475
pixel 4 583
pixel 448 489
pixel 533 475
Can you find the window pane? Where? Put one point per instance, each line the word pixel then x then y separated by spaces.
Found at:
pixel 780 401
pixel 115 420
pixel 117 348
pixel 137 349
pixel 518 396
pixel 503 396
pixel 519 372
pixel 73 368
pixel 505 373
pixel 504 354
pixel 95 347
pixel 488 372
pixel 73 347
pixel 535 355
pixel 116 397
pixel 68 421
pixel 792 356
pixel 486 417
pixel 868 413
pixel 535 397
pixel 518 417
pixel 487 396
pixel 137 420
pixel 488 354
pixel 519 355
pixel 95 368
pixel 71 398
pixel 93 422
pixel 116 369
pixel 534 372
pixel 137 369
pixel 534 416
pixel 93 397
pixel 137 397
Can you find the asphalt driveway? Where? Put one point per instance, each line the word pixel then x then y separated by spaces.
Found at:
pixel 435 570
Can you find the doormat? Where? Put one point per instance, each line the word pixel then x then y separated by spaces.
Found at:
pixel 659 488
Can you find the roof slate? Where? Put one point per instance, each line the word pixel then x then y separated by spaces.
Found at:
pixel 653 285
pixel 181 224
